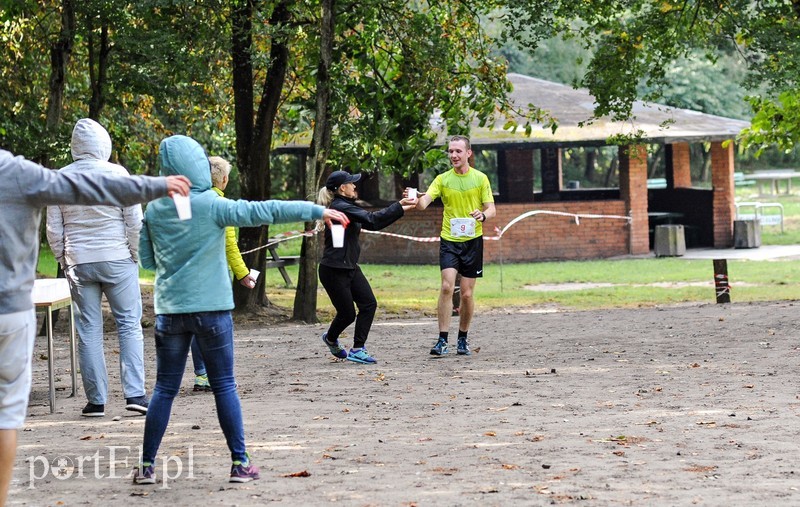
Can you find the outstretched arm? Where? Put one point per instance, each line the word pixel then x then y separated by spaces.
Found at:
pixel 423 200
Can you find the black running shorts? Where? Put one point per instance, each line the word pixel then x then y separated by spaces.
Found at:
pixel 466 257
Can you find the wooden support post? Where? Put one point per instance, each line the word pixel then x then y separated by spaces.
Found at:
pixel 721 286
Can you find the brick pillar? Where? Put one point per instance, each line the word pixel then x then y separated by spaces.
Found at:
pixel 633 190
pixel 722 184
pixel 678 165
pixel 515 175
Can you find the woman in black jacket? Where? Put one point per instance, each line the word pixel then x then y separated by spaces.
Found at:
pixel 339 271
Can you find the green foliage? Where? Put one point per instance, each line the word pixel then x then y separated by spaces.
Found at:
pixel 775 123
pixel 23 28
pixel 398 65
pixel 158 80
pixel 712 86
pixel 556 59
pixel 669 50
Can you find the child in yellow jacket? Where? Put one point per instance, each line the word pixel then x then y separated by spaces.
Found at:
pixel 220 172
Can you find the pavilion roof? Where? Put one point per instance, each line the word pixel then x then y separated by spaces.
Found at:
pixel 570 107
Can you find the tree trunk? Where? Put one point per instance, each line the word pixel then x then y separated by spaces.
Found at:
pixel 60 52
pixel 254 139
pixel 655 160
pixel 98 69
pixel 305 301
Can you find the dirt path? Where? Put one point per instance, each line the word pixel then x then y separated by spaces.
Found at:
pixel 687 405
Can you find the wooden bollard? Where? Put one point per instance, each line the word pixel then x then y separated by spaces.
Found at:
pixel 721 285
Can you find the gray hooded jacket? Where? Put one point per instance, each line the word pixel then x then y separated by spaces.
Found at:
pixel 26 188
pixel 83 234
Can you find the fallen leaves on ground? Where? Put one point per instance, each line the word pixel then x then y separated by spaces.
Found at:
pixel 701 469
pixel 304 473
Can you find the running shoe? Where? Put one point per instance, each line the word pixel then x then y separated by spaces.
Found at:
pixel 138 404
pixel 144 474
pixel 334 347
pixel 244 471
pixel 361 356
pixel 93 410
pixel 440 348
pixel 201 383
pixel 462 348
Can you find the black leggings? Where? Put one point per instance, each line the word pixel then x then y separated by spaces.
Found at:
pixel 345 287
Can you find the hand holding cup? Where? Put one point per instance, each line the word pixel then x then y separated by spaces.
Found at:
pixel 250 279
pixel 410 197
pixel 329 216
pixel 178 184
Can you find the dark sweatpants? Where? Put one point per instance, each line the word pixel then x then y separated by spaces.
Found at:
pixel 345 287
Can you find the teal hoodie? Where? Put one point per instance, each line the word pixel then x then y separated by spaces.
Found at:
pixel 188 256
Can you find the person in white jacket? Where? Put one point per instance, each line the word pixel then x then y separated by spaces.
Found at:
pixel 97 246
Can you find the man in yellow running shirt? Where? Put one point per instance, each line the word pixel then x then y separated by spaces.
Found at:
pixel 468 202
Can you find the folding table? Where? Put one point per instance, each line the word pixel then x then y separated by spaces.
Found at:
pixel 48 295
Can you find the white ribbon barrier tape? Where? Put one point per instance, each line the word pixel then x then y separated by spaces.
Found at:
pixel 403 236
pixel 577 217
pixel 286 236
pixel 280 238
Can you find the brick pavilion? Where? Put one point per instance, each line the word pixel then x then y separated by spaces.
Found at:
pixel 707 214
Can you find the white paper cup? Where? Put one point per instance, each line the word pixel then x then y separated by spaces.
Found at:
pixel 412 193
pixel 337 235
pixel 183 205
pixel 254 274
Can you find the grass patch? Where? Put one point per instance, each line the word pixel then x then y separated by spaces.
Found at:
pixel 632 282
pixel 415 289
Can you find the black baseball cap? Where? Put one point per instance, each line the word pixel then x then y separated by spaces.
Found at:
pixel 338 178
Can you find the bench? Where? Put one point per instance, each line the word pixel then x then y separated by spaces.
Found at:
pixel 657 183
pixel 276 261
pixel 759 215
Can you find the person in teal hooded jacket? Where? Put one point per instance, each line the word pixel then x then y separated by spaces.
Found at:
pixel 193 295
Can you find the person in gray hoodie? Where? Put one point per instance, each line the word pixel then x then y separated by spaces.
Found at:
pixel 98 248
pixel 28 187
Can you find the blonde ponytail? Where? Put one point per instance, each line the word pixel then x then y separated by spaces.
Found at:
pixel 324 198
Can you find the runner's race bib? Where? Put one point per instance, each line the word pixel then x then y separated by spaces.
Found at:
pixel 461 227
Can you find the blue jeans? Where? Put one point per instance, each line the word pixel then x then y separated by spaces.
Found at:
pixel 213 332
pixel 119 281
pixel 197 360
